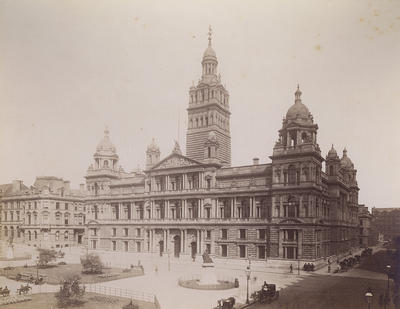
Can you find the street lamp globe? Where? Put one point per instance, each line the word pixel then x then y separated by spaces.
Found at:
pixel 248 272
pixel 368 297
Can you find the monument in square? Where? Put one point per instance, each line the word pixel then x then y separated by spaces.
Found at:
pixel 207 274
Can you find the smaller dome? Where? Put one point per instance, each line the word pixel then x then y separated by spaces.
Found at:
pixel 209 52
pixel 345 161
pixel 105 145
pixel 298 110
pixel 153 147
pixel 332 153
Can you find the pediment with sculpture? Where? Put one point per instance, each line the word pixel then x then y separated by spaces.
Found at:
pixel 175 161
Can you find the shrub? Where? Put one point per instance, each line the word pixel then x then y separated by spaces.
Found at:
pixel 91 264
pixel 70 292
pixel 46 256
pixel 130 306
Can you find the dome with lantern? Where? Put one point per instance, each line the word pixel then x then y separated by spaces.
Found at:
pixel 345 161
pixel 298 111
pixel 105 146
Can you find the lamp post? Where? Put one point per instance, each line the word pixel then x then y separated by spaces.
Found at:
pixel 368 298
pixel 169 262
pixel 386 300
pixel 37 268
pixel 248 273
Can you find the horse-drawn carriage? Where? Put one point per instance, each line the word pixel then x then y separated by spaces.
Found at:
pixel 226 303
pixel 24 289
pixel 4 292
pixel 30 278
pixel 267 293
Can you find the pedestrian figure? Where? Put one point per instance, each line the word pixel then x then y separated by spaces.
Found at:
pixel 156 269
pixel 291 268
pixel 329 268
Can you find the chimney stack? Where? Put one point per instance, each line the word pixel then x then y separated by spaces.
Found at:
pixel 16 185
pixel 256 161
pixel 67 185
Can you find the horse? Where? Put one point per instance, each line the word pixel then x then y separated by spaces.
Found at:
pixel 4 292
pixel 24 289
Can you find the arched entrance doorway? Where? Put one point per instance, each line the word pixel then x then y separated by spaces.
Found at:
pixel 194 249
pixel 161 245
pixel 177 246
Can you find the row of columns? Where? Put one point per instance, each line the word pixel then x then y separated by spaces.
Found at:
pixel 185 240
pixel 185 182
pixel 236 209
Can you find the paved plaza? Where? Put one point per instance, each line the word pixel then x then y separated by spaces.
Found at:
pixel 162 274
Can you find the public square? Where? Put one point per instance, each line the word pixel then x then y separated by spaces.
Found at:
pixel 318 289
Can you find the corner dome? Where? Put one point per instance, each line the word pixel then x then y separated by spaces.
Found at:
pixel 332 153
pixel 345 161
pixel 105 146
pixel 298 110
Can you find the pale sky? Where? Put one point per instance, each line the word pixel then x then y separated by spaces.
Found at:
pixel 68 68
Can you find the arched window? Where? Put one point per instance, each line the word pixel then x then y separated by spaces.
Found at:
pixel 57 235
pixel 29 235
pixel 304 137
pixel 292 175
pixel 105 164
pixel 66 235
pixel 209 152
pixel 35 233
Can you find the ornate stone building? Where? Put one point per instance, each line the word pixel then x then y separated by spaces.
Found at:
pixel 184 204
pixel 48 214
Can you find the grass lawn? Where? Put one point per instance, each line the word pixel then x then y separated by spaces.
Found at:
pixel 91 301
pixel 55 274
pixel 327 292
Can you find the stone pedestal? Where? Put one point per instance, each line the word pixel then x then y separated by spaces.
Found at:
pixel 207 274
pixel 9 252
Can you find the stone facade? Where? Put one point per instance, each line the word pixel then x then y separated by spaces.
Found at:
pixel 185 204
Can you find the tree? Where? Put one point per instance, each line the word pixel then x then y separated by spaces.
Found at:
pixel 91 264
pixel 70 292
pixel 46 256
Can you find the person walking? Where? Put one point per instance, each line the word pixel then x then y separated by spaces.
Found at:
pixel 291 268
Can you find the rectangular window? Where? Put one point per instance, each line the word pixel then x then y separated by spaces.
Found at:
pixel 57 205
pixel 224 233
pixel 261 234
pixel 138 232
pixel 261 252
pixel 126 246
pixel 114 246
pixel 242 233
pixel 242 251
pixel 114 231
pixel 66 206
pixel 224 250
pixel 208 247
pixel 126 231
pixel 208 235
pixel 138 247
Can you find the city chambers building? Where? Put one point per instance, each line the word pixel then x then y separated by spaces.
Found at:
pixel 184 204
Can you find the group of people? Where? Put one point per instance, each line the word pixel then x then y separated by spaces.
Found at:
pixel 309 267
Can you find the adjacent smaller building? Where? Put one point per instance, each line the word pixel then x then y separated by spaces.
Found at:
pixel 365 235
pixel 386 222
pixel 49 214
